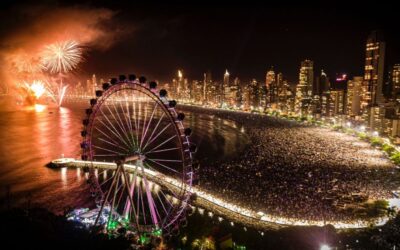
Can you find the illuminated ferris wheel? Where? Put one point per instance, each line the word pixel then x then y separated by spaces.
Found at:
pixel 136 130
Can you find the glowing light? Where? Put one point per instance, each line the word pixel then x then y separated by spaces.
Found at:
pixel 64 174
pixel 375 133
pixel 180 75
pixel 39 108
pixel 37 88
pixel 157 232
pixel 325 247
pixel 201 211
pixel 62 56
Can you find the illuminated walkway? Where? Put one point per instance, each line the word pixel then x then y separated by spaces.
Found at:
pixel 220 207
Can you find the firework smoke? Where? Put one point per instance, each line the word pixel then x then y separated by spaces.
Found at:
pixel 24 63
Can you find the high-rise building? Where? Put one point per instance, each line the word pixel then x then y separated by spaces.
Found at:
pixel 79 90
pixel 337 102
pixel 284 93
pixel 226 79
pixel 320 92
pixel 270 77
pixel 279 83
pixel 207 83
pixel 94 84
pixel 321 84
pixel 237 88
pixel 196 95
pixel 372 90
pixel 254 94
pixel 395 82
pixel 231 91
pixel 280 88
pixel 304 87
pixel 245 104
pixel 89 87
pixel 354 96
pixel 270 84
pixel 180 85
pixel 226 87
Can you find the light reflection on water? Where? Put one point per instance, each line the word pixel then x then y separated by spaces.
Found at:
pixel 34 136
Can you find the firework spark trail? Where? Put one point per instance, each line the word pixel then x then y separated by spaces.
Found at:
pixel 61 57
pixel 61 93
pixel 58 95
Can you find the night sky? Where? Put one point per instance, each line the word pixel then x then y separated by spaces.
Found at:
pixel 246 39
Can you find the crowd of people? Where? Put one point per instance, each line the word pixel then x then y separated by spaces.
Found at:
pixel 299 171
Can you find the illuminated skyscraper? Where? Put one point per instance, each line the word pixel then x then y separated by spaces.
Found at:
pixel 337 101
pixel 321 84
pixel 254 94
pixel 197 92
pixel 231 91
pixel 207 87
pixel 395 82
pixel 279 81
pixel 270 77
pixel 226 87
pixel 372 90
pixel 270 84
pixel 226 78
pixel 354 96
pixel 94 84
pixel 236 90
pixel 79 90
pixel 89 88
pixel 280 88
pixel 180 87
pixel 284 93
pixel 304 88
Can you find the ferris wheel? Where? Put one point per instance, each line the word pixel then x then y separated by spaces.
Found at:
pixel 136 130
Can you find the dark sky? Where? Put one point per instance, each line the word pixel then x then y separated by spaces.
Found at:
pixel 246 39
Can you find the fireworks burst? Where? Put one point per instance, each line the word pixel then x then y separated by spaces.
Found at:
pixel 61 57
pixel 37 88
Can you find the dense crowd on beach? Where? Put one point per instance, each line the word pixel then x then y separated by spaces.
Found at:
pixel 299 171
